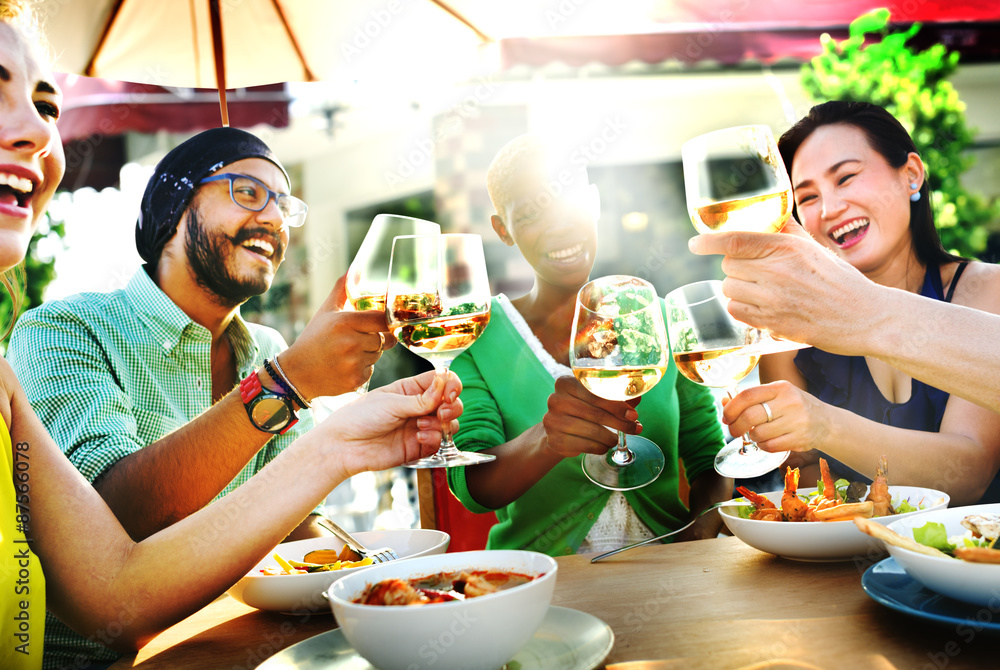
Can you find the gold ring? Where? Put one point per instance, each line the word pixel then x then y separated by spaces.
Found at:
pixel 767 411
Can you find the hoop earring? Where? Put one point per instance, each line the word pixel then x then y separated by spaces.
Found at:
pixel 915 196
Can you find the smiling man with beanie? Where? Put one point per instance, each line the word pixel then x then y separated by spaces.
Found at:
pixel 160 393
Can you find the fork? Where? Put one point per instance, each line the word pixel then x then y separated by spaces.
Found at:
pixel 724 503
pixel 383 555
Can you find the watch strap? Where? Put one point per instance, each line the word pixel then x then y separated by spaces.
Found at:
pixel 250 389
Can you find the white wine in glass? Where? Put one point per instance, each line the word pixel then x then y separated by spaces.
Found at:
pixel 438 304
pixel 735 180
pixel 713 349
pixel 619 351
pixel 369 271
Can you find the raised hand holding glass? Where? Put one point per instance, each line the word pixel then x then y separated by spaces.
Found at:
pixel 713 349
pixel 735 180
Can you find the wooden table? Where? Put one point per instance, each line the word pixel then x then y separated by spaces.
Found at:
pixel 709 604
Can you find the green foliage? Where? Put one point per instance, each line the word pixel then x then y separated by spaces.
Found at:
pixel 38 272
pixel 913 87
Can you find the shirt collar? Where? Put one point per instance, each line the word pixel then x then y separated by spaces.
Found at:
pixel 167 322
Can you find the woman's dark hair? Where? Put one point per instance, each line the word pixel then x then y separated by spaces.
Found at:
pixel 887 136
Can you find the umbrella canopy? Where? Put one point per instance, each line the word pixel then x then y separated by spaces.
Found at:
pixel 111 107
pixel 225 44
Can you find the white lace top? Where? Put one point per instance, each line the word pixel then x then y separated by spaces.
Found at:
pixel 618 524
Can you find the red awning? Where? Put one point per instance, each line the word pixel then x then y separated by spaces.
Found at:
pixel 730 32
pixel 106 107
pixel 97 113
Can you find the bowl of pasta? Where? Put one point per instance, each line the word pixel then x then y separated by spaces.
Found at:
pixel 288 588
pixel 470 610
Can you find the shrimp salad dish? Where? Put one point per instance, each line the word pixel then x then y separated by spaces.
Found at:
pixel 838 500
pixel 441 587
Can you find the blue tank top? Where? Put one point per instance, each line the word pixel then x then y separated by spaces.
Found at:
pixel 846 382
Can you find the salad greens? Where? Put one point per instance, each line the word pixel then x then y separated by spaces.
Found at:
pixel 934 534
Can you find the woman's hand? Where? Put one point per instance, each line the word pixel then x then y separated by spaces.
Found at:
pixel 394 424
pixel 577 421
pixel 799 421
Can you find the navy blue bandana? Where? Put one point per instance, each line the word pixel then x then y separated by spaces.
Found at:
pixel 176 178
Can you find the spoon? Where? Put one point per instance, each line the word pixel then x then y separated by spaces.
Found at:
pixel 724 503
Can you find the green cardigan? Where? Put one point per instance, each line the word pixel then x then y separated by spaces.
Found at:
pixel 505 392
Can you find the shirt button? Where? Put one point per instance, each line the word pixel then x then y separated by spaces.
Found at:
pixel 198 382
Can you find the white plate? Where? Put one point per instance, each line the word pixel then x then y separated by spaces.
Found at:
pixel 567 640
pixel 824 541
pixel 974 583
pixel 304 593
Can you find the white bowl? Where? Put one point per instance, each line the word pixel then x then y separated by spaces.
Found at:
pixel 975 583
pixel 304 593
pixel 824 540
pixel 476 634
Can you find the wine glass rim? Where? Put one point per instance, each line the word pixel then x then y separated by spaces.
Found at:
pixel 715 294
pixel 439 235
pixel 718 131
pixel 632 279
pixel 405 218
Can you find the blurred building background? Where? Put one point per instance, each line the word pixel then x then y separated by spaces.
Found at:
pixel 621 102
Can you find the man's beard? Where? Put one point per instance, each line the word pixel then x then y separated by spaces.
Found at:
pixel 211 254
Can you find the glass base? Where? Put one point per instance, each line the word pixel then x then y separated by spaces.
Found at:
pixel 730 462
pixel 768 344
pixel 643 468
pixel 450 457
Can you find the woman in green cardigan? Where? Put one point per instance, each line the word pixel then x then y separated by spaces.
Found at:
pixel 523 404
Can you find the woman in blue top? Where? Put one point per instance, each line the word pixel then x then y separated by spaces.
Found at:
pixel 861 190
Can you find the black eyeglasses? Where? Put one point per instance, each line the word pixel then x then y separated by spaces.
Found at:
pixel 253 194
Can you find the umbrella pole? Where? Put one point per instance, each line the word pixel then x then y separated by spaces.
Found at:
pixel 219 54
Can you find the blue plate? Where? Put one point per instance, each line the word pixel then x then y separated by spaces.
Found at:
pixel 888 584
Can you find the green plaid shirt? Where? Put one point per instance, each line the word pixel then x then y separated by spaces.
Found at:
pixel 109 373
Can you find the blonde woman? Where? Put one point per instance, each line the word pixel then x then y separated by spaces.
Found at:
pixel 60 545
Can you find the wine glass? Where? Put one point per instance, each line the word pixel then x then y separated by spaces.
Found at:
pixel 619 352
pixel 735 180
pixel 712 348
pixel 369 271
pixel 437 304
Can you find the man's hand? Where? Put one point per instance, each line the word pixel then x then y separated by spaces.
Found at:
pixel 336 351
pixel 790 285
pixel 577 421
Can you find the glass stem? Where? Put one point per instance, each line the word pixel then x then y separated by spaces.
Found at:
pixel 621 456
pixel 446 441
pixel 747 442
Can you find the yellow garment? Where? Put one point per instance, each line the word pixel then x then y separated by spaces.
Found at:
pixel 22 584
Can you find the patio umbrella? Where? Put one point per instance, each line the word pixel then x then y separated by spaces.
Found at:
pixel 226 44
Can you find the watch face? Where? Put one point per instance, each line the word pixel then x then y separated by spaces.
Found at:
pixel 271 414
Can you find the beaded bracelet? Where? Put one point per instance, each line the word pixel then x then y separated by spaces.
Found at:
pixel 281 380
